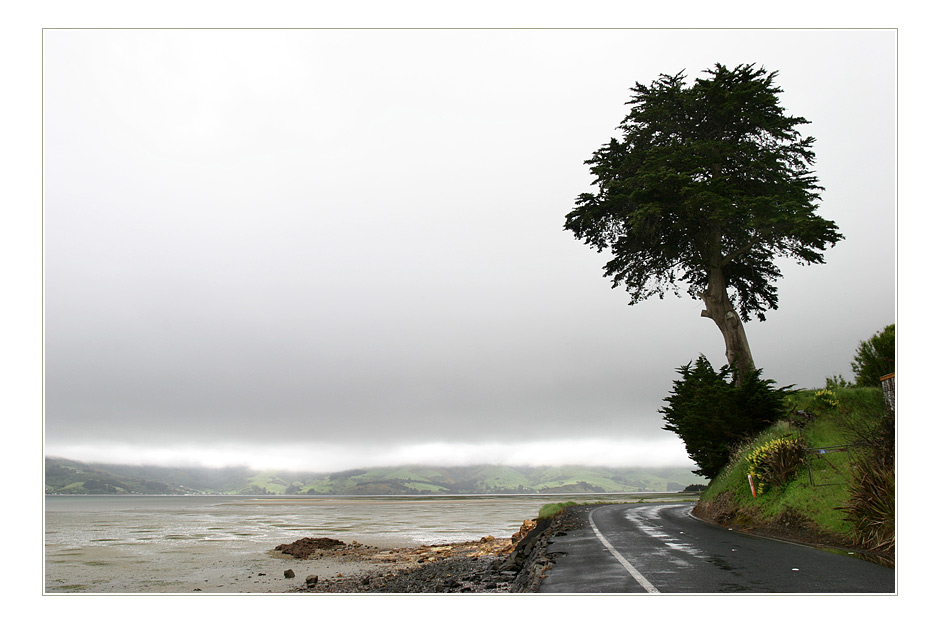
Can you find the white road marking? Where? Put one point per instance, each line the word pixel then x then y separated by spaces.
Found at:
pixel 644 520
pixel 627 565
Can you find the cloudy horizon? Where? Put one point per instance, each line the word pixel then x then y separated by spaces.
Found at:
pixel 344 248
pixel 318 458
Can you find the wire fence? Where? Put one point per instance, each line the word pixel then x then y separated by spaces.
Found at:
pixel 829 466
pixel 826 465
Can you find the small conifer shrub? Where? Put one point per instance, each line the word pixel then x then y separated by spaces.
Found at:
pixel 713 412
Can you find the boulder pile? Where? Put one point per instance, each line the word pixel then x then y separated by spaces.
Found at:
pixel 487 565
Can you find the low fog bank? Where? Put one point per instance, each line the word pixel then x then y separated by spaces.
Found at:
pixel 334 457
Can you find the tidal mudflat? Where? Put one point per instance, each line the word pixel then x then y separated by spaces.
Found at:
pixel 220 544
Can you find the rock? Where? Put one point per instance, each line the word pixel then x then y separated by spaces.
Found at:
pixel 289 573
pixel 512 562
pixel 457 567
pixel 530 560
pixel 525 529
pixel 311 581
pixel 306 547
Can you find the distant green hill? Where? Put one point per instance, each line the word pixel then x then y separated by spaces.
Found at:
pixel 71 477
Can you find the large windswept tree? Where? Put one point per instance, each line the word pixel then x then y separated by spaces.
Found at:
pixel 709 184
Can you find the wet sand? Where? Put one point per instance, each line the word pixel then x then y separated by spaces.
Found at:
pixel 155 545
pixel 193 570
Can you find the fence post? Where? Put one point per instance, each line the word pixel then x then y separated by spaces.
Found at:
pixel 888 392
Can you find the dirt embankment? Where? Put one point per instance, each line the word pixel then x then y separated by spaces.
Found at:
pixel 791 526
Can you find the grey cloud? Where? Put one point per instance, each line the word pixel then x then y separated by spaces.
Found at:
pixel 336 236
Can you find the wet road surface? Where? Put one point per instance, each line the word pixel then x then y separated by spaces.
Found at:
pixel 660 548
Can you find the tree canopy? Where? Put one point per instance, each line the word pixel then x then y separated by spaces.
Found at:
pixel 708 185
pixel 875 357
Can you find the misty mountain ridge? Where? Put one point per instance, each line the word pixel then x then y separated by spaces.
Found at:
pixel 64 476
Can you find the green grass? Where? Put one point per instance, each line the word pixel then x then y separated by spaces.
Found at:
pixel 551 509
pixel 818 499
pixel 425 487
pixel 269 481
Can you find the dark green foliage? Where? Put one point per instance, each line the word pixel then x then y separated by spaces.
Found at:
pixel 713 414
pixel 875 357
pixel 836 381
pixel 870 507
pixel 710 182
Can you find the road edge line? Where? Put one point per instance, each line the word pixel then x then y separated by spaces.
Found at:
pixel 650 588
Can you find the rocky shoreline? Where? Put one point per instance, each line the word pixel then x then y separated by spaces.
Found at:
pixel 490 565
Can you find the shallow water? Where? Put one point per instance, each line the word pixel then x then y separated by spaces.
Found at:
pixel 220 544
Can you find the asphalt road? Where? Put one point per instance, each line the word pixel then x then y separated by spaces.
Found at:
pixel 661 548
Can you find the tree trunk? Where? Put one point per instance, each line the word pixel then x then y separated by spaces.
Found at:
pixel 719 308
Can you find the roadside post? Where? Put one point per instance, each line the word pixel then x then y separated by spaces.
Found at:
pixel 888 392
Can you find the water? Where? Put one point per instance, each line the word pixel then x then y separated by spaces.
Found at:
pixel 148 544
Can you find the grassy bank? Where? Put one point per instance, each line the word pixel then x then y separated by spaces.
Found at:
pixel 832 431
pixel 552 509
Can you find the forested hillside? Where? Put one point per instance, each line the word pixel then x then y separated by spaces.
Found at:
pixel 71 477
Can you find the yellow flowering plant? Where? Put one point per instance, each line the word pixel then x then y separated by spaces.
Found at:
pixel 826 397
pixel 775 462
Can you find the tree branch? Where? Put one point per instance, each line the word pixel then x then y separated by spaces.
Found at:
pixel 742 249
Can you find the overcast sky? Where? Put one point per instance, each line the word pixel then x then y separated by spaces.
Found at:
pixel 331 248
